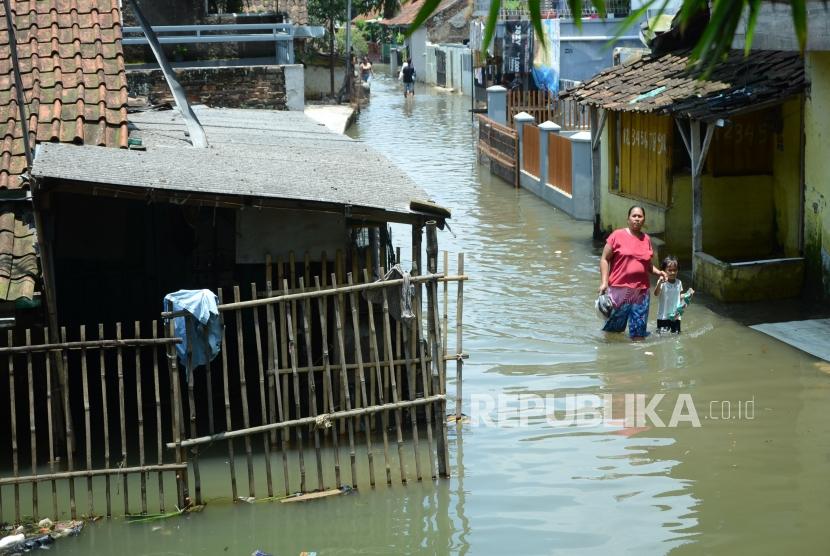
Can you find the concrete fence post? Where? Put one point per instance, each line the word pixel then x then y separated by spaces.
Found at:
pixel 545 129
pixel 582 185
pixel 497 104
pixel 519 121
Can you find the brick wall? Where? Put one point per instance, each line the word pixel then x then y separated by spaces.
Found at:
pixel 228 87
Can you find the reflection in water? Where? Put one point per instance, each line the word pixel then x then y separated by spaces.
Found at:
pixel 731 486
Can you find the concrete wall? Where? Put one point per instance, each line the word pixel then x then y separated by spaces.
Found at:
pixel 229 87
pixel 276 232
pixel 774 28
pixel 586 52
pixel 417 43
pixel 764 280
pixel 459 60
pixel 817 176
pixel 317 80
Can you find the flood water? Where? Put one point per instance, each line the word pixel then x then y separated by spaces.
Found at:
pixel 740 483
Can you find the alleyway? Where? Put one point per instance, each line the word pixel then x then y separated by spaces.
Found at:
pixel 739 483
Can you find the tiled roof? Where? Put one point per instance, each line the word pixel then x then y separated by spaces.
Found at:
pixel 667 84
pixel 75 88
pixel 410 9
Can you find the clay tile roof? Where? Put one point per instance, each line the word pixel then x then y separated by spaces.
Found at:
pixel 72 68
pixel 410 9
pixel 666 84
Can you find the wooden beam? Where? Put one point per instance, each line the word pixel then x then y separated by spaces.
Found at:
pixel 704 151
pixel 684 136
pixel 697 195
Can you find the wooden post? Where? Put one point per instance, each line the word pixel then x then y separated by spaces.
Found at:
pixel 176 418
pixel 390 355
pixel 425 384
pixel 344 379
pixel 228 420
pixel 292 354
pixel 13 414
pixel 262 388
pixel 140 412
pixel 190 373
pixel 67 419
pixel 597 125
pixel 434 331
pixel 50 423
pixel 697 197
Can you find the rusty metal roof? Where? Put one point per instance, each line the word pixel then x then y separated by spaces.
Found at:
pixel 409 10
pixel 668 84
pixel 72 69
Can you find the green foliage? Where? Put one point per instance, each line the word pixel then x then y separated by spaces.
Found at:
pixel 399 38
pixel 712 46
pixel 359 44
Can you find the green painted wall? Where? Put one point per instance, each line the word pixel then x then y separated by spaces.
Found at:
pixel 817 175
pixel 787 180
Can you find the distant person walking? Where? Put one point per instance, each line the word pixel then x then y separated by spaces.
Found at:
pixel 407 75
pixel 366 72
pixel 624 267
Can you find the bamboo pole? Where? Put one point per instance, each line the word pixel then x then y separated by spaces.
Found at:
pixel 177 419
pixel 190 378
pixel 122 418
pixel 97 472
pixel 272 341
pixel 411 373
pixel 323 273
pixel 13 408
pixel 359 358
pixel 303 422
pixel 292 279
pixel 375 361
pixel 263 410
pixel 32 435
pixel 228 421
pixel 67 417
pixel 292 353
pixel 337 278
pixel 209 395
pixel 91 344
pixel 459 363
pixel 50 424
pixel 312 386
pixel 157 398
pixel 273 377
pixel 283 354
pixel 344 383
pixel 387 332
pixel 105 417
pixel 328 386
pixel 434 330
pixel 425 385
pixel 243 387
pixel 87 421
pixel 139 398
pixel 446 303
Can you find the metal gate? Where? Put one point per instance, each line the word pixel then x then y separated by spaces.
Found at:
pixel 440 68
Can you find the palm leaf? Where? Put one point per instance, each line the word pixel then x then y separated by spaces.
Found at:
pixel 799 9
pixel 490 27
pixel 535 9
pixel 423 14
pixel 754 8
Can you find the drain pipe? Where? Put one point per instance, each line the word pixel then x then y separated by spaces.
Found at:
pixel 194 128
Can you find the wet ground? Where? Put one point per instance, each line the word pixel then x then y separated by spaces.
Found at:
pixel 751 479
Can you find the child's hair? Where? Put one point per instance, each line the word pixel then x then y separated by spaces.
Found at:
pixel 667 261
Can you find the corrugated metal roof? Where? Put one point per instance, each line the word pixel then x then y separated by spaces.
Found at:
pixel 253 153
pixel 72 68
pixel 667 84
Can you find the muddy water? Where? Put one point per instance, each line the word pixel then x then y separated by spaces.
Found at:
pixel 740 483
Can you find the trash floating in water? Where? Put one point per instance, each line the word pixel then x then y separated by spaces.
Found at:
pixel 463 419
pixel 258 552
pixel 38 535
pixel 303 497
pixel 144 518
pixel 11 540
pixel 649 352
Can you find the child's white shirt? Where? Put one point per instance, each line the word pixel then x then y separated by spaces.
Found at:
pixel 669 299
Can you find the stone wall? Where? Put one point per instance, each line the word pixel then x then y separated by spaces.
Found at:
pixel 228 87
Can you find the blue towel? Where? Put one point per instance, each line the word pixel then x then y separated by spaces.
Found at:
pixel 206 331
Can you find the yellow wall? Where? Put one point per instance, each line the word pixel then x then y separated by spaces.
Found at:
pixel 817 175
pixel 787 179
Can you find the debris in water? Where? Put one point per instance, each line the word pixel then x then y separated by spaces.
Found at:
pixel 11 540
pixel 258 552
pixel 300 497
pixel 649 353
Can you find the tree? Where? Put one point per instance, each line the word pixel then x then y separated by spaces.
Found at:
pixel 712 45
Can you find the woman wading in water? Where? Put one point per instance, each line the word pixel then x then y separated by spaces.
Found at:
pixel 624 270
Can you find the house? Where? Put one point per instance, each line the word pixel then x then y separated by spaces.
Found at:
pixel 71 68
pixel 715 160
pixel 273 185
pixel 774 30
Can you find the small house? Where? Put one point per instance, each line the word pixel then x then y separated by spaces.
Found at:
pixel 715 159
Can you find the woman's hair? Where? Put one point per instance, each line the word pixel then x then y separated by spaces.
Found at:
pixel 667 261
pixel 636 207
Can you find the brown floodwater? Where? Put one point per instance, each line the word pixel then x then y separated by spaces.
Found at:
pixel 751 479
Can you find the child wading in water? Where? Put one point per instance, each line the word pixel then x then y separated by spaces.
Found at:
pixel 672 299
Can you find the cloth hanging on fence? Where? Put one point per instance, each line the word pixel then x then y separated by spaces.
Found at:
pixel 546 58
pixel 205 336
pixel 400 306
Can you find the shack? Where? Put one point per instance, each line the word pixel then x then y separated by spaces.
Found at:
pixel 716 160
